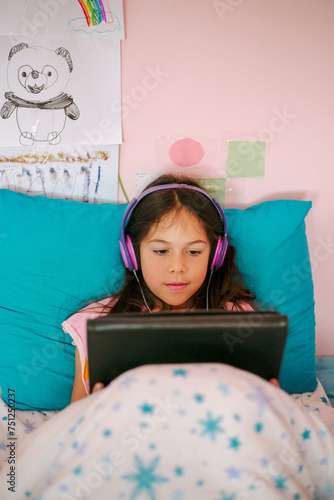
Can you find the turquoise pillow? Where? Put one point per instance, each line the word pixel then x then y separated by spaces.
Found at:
pixel 273 256
pixel 56 254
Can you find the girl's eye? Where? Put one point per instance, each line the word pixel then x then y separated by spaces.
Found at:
pixel 194 252
pixel 160 252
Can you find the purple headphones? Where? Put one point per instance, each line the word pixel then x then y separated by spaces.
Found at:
pixel 127 250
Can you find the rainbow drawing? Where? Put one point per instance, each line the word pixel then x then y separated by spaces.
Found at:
pixel 96 11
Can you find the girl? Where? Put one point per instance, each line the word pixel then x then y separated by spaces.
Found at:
pixel 215 432
pixel 174 245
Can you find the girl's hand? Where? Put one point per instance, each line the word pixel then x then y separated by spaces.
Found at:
pixel 274 381
pixel 98 387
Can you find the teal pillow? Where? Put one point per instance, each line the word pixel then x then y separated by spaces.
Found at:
pixel 57 254
pixel 273 256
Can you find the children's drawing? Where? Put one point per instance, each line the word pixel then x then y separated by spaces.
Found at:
pixel 37 18
pixel 89 178
pixel 37 78
pixel 98 15
pixel 92 90
pixel 95 12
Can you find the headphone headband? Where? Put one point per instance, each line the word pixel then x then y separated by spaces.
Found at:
pixel 127 250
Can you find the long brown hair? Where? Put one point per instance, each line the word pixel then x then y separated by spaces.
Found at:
pixel 226 283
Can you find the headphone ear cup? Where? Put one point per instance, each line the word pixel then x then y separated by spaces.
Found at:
pixel 220 253
pixel 132 255
pixel 214 263
pixel 128 254
pixel 125 256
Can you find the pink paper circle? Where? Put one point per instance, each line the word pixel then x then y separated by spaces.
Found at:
pixel 186 152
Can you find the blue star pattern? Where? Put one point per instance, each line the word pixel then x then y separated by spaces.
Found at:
pixel 233 473
pixel 127 381
pixel 261 398
pixel 258 427
pixel 235 443
pixel 211 426
pixel 178 471
pixel 325 492
pixel 180 372
pixel 280 482
pixel 145 478
pixel 199 398
pixel 146 408
pixel 196 432
pixel 224 389
pixel 227 496
pixel 30 426
pixel 306 434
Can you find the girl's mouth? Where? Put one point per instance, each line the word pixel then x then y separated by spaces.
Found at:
pixel 176 287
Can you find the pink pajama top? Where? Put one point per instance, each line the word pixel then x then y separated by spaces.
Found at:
pixel 76 326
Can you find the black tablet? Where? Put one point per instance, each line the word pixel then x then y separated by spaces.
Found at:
pixel 252 341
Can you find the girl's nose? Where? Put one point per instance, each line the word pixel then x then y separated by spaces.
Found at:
pixel 177 264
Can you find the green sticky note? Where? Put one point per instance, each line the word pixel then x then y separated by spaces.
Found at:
pixel 215 188
pixel 245 159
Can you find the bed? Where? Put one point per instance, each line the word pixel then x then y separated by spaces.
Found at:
pixel 158 432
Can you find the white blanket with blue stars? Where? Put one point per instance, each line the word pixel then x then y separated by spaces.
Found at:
pixel 171 432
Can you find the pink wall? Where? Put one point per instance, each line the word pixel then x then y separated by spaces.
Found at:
pixel 231 66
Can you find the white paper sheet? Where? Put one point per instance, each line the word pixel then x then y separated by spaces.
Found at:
pixel 36 80
pixel 31 18
pixel 90 177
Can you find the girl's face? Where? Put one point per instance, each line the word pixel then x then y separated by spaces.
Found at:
pixel 174 258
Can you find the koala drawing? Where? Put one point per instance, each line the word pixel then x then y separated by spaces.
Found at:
pixel 37 78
